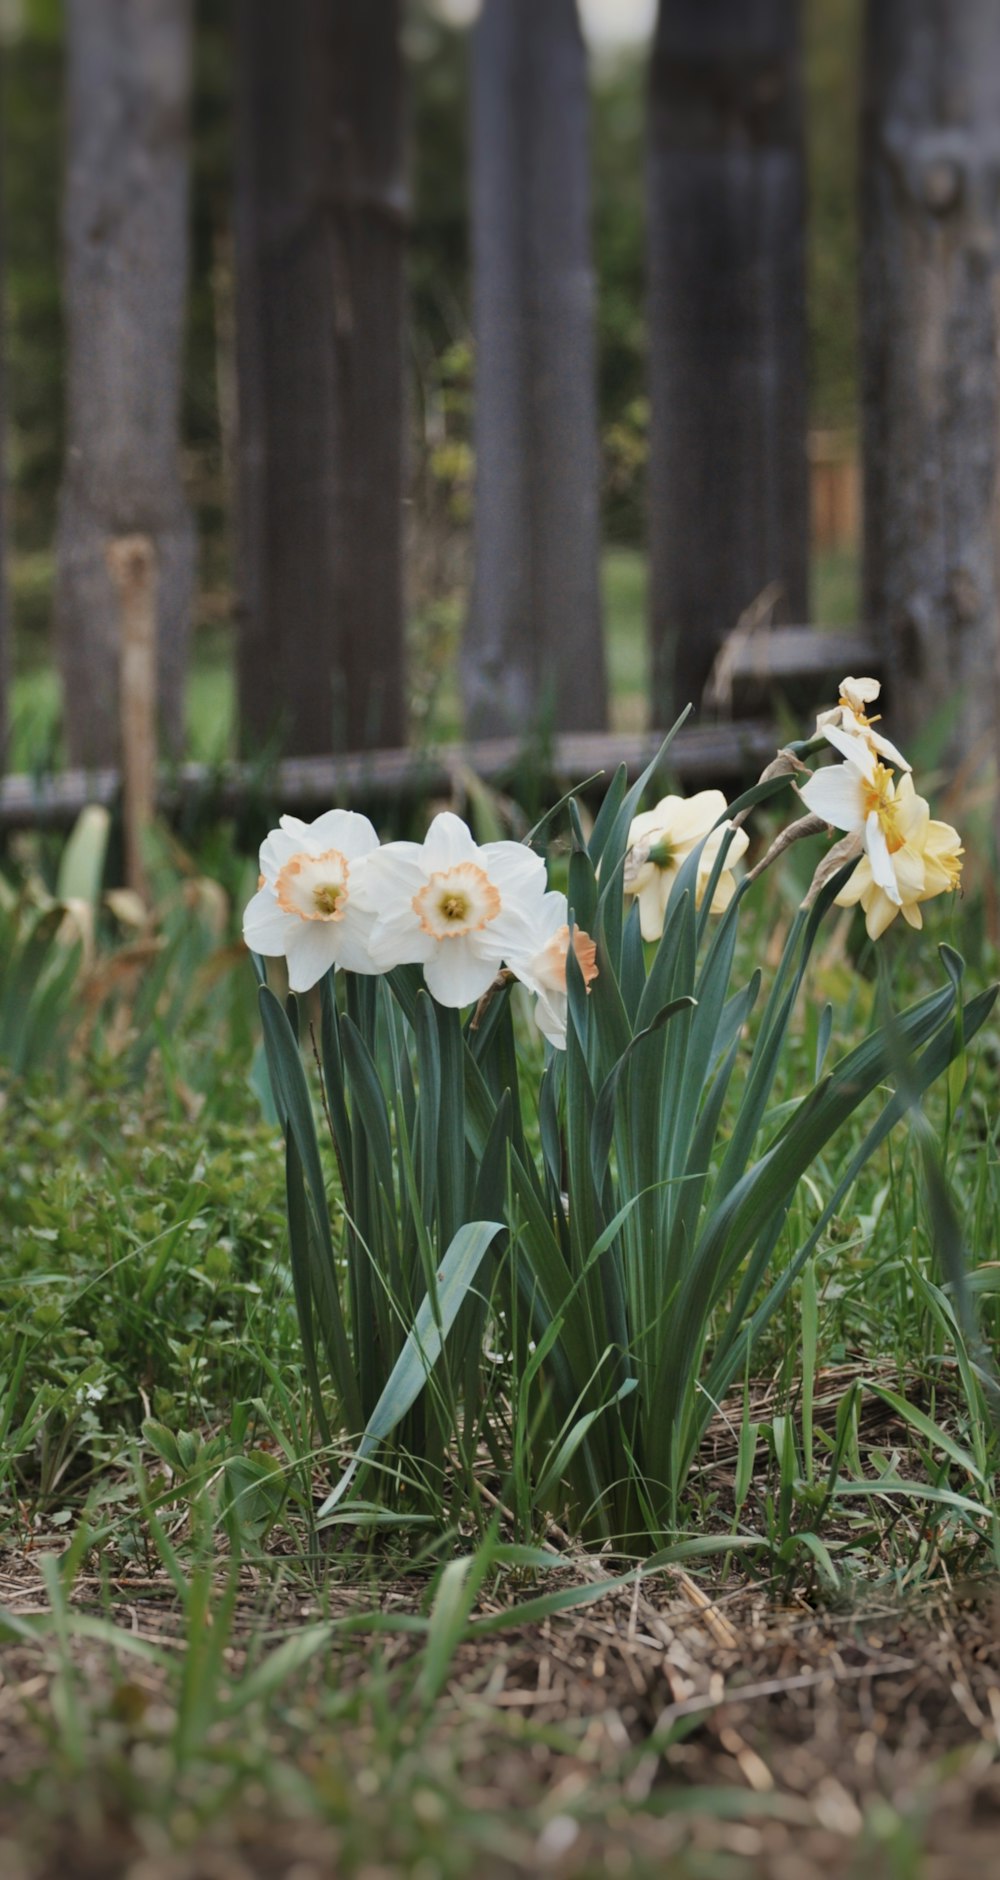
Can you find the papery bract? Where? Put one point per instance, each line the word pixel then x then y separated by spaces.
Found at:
pixel 310 907
pixel 453 907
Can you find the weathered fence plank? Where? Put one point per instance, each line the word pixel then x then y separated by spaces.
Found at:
pixel 532 651
pixel 125 274
pixel 320 234
pixel 930 338
pixel 726 216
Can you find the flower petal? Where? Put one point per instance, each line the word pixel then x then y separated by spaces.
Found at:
pixel 880 913
pixel 693 816
pixel 887 749
pixel 737 842
pixel 653 900
pixel 397 939
pixel 648 822
pixel 725 888
pixel 853 746
pixel 859 692
pixel 908 869
pixel 278 848
pixel 456 975
pixel 836 794
pixel 550 1014
pixel 912 812
pixel 310 953
pixel 857 885
pixel 942 859
pixel 266 926
pixel 353 943
pixel 883 873
pixel 393 874
pixel 342 829
pixel 448 840
pixel 514 869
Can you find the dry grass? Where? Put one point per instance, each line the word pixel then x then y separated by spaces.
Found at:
pixel 656 1730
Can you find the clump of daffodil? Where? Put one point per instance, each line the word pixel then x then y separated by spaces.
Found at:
pixel 662 838
pixel 850 714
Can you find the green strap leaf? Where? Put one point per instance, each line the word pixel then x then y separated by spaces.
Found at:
pixel 291 1094
pixel 422 1349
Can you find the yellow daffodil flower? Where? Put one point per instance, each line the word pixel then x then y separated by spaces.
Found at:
pixel 660 840
pixel 861 797
pixel 927 861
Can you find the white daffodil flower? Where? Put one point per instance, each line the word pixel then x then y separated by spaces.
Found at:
pixel 850 714
pixel 660 840
pixel 310 907
pixel 860 796
pixel 452 907
pixel 927 862
pixel 540 965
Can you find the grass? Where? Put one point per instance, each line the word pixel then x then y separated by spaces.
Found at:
pixel 197 1673
pixel 190 1663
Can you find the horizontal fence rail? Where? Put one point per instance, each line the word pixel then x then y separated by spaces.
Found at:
pixel 699 755
pixel 801 664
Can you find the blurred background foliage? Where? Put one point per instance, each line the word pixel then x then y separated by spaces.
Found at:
pixel 440 339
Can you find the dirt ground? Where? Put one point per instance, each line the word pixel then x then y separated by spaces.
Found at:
pixel 652 1732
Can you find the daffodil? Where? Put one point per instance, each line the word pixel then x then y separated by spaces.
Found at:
pixel 662 838
pixel 540 964
pixel 850 714
pixel 861 797
pixel 453 907
pixel 310 906
pixel 927 862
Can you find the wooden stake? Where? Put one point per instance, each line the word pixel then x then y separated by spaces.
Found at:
pixel 132 565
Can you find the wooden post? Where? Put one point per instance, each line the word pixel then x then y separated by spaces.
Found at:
pixel 131 563
pixel 930 336
pixel 125 240
pixel 533 651
pixel 321 213
pixel 729 492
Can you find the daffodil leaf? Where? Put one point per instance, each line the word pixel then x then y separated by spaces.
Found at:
pixel 314 1271
pixel 423 1346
